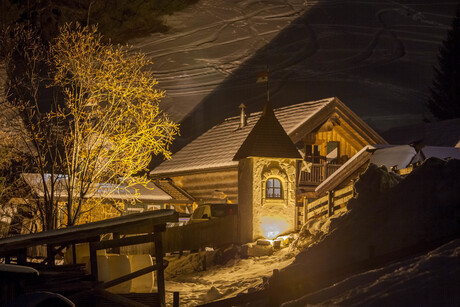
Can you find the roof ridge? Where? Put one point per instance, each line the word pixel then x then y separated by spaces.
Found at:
pixel 292 106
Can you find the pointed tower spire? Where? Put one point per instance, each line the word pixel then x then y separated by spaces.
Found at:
pixel 267 139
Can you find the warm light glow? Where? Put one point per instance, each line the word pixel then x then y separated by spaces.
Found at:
pixel 272 226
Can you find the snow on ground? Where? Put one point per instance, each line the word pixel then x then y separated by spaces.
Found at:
pixel 198 286
pixel 431 279
pixel 389 215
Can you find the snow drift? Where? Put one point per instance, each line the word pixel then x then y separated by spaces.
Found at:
pixel 390 218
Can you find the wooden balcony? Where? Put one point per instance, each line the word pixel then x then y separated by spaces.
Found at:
pixel 319 172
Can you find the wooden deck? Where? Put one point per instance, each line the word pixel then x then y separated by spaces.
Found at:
pixel 143 227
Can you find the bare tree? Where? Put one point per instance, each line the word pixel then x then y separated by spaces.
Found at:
pixel 27 66
pixel 103 125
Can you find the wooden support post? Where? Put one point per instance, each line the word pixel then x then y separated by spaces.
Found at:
pixel 353 189
pixel 93 256
pixel 116 236
pixel 22 256
pixel 272 289
pixel 158 240
pixel 330 203
pixel 50 255
pixel 305 210
pixel 74 254
pixel 175 299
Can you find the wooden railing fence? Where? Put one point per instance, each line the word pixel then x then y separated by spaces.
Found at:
pixel 318 173
pixel 336 201
pixel 212 233
pixel 326 206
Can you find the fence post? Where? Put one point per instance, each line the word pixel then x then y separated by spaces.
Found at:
pixel 330 203
pixel 353 190
pixel 175 299
pixel 50 254
pixel 305 210
pixel 157 233
pixel 273 289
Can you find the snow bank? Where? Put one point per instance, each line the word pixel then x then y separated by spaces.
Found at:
pixel 389 215
pixel 428 280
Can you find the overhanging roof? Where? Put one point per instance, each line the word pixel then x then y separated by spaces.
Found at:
pixel 153 192
pixel 216 148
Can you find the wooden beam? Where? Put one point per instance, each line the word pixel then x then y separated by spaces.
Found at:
pixel 133 223
pixel 330 203
pixel 116 243
pixel 130 276
pixel 51 253
pixel 93 256
pixel 159 260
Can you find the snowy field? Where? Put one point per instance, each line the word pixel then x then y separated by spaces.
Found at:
pixel 376 56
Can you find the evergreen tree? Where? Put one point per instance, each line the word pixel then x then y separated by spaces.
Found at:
pixel 444 102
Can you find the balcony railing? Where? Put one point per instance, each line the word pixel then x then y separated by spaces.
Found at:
pixel 318 173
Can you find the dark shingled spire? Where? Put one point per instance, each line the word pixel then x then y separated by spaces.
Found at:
pixel 267 139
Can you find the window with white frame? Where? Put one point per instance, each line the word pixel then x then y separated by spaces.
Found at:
pixel 274 188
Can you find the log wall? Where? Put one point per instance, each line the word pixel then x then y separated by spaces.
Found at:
pixel 203 186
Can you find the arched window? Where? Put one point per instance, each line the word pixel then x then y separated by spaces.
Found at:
pixel 274 188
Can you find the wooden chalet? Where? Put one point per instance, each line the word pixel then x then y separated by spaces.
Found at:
pixel 325 132
pixel 19 212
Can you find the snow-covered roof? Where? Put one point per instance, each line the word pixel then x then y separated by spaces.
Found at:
pixel 216 147
pixel 152 192
pixel 393 156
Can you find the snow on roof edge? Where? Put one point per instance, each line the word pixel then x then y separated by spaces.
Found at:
pixel 346 164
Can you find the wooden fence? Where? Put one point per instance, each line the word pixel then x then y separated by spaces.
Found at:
pixel 336 201
pixel 212 233
pixel 325 206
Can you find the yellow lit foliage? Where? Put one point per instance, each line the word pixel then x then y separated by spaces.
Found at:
pixel 111 113
pixel 94 210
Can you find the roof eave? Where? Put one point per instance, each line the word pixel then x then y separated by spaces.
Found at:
pixel 170 174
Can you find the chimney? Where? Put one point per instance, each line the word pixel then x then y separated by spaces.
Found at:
pixel 243 121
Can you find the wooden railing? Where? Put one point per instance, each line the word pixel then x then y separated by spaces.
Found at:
pixel 326 206
pixel 318 173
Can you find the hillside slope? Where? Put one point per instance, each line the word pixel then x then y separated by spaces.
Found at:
pixel 376 56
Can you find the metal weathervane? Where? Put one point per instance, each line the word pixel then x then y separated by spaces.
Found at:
pixel 262 77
